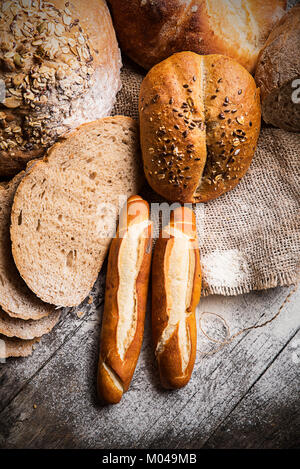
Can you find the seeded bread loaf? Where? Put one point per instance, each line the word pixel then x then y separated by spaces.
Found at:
pixel 66 207
pixel 200 121
pixel 15 297
pixel 150 31
pixel 12 347
pixel 60 64
pixel 278 74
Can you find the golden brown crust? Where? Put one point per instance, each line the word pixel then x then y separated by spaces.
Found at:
pixel 199 116
pixel 150 31
pixel 278 67
pixel 169 359
pixel 57 59
pixel 137 211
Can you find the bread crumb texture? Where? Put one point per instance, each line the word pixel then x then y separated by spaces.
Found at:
pixel 15 297
pixel 66 208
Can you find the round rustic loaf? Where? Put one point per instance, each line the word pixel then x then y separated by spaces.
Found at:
pixel 152 30
pixel 200 121
pixel 60 64
pixel 278 74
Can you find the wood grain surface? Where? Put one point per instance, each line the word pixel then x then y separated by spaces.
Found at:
pixel 242 395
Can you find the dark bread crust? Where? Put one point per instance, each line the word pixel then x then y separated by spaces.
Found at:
pixel 169 360
pixel 199 121
pixel 149 31
pixel 123 369
pixel 278 67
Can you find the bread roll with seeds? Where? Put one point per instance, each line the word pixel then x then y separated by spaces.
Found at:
pixel 199 122
pixel 11 347
pixel 61 66
pixel 15 297
pixel 125 301
pixel 176 289
pixel 66 207
pixel 150 31
pixel 278 74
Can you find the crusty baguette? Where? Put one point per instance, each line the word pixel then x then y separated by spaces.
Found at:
pixel 149 31
pixel 176 289
pixel 66 207
pixel 61 63
pixel 200 121
pixel 278 73
pixel 15 297
pixel 125 301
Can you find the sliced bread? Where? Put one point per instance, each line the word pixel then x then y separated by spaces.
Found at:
pixel 15 297
pixel 66 208
pixel 27 330
pixel 11 347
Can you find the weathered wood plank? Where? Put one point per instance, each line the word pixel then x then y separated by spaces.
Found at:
pixel 67 414
pixel 15 373
pixel 269 415
pixel 224 378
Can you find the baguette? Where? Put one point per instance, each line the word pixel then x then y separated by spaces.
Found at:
pixel 125 301
pixel 176 289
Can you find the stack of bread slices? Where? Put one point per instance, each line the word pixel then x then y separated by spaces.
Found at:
pixel 56 222
pixel 23 317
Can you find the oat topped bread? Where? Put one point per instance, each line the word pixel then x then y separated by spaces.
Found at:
pixel 60 63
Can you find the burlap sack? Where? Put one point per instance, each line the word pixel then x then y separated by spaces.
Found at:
pixel 250 237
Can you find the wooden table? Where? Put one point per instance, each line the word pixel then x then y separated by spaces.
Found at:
pixel 242 395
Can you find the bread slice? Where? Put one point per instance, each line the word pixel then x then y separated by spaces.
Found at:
pixel 27 330
pixel 66 208
pixel 15 297
pixel 11 347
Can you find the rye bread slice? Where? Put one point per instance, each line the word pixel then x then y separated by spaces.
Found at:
pixel 66 208
pixel 15 297
pixel 27 330
pixel 11 347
